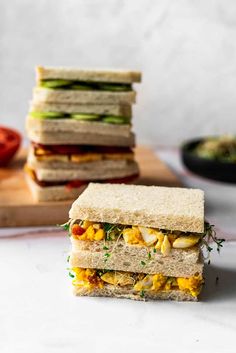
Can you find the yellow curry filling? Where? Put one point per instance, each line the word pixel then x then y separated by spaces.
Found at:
pixel 91 279
pixel 161 240
pixel 43 156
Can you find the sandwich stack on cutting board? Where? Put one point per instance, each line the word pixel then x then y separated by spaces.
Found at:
pixel 138 242
pixel 79 126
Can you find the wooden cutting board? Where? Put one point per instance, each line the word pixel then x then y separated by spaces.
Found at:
pixel 17 208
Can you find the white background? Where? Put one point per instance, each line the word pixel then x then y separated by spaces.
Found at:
pixel 186 50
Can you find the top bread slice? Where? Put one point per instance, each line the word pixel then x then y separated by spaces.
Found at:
pixel 149 206
pixel 66 73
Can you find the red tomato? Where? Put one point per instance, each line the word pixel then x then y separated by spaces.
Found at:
pixel 75 184
pixel 9 143
pixel 77 230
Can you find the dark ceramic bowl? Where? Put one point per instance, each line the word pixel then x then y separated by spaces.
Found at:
pixel 212 169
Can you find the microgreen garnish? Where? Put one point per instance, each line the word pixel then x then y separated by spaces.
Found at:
pixel 68 258
pixel 143 263
pixel 71 275
pixel 154 250
pixel 105 247
pixel 210 235
pixel 106 256
pixel 65 226
pixel 142 293
pixel 149 255
pixel 112 230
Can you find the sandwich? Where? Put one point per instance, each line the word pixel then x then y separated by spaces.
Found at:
pixel 79 124
pixel 60 172
pixel 138 242
pixel 68 85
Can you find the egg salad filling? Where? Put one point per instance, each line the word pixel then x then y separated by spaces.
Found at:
pixel 161 240
pixel 91 279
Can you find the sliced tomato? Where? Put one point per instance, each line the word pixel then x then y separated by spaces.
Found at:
pixel 79 149
pixel 76 184
pixel 10 141
pixel 77 230
pixel 123 180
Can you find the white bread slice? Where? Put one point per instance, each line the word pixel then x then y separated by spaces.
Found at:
pixel 52 193
pixel 77 138
pixel 101 109
pixel 149 206
pixel 132 258
pixel 41 94
pixel 128 293
pixel 75 126
pixel 66 73
pixel 97 170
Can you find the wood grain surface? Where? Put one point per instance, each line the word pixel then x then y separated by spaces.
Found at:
pixel 17 208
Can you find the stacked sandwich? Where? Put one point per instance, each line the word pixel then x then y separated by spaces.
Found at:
pixel 79 125
pixel 137 242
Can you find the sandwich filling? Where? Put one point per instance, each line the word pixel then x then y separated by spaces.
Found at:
pixel 137 282
pixel 108 119
pixel 74 183
pixel 85 85
pixel 80 154
pixel 158 239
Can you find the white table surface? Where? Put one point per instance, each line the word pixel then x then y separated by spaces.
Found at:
pixel 40 314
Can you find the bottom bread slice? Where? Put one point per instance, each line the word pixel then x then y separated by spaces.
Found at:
pixel 53 193
pixel 128 293
pixel 60 192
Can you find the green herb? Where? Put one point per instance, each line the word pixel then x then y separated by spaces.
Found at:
pixel 68 258
pixel 143 263
pixel 210 235
pixel 102 272
pixel 142 293
pixel 106 256
pixel 65 226
pixel 113 231
pixel 71 275
pixel 149 256
pixel 105 248
pixel 154 250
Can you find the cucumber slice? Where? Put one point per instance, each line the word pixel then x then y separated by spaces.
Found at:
pixel 81 87
pixel 114 87
pixel 47 115
pixel 85 116
pixel 116 119
pixel 55 83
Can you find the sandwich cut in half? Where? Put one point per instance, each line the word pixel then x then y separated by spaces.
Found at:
pixel 80 127
pixel 74 106
pixel 72 85
pixel 138 242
